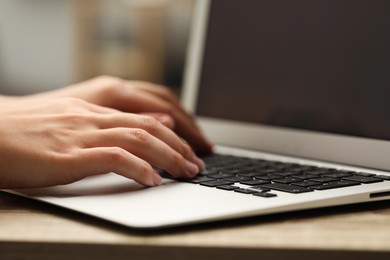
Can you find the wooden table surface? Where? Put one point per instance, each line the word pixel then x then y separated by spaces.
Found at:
pixel 34 230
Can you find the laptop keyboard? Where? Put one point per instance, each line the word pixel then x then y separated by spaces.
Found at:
pixel 261 177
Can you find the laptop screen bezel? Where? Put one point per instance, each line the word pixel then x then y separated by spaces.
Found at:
pixel 356 151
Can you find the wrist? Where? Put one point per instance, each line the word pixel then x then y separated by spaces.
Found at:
pixel 4 98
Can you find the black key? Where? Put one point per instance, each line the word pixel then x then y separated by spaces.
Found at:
pixel 227 187
pixel 245 191
pixel 324 179
pixel 383 177
pixel 305 176
pixel 364 174
pixel 269 177
pixel 220 175
pixel 266 171
pixel 295 170
pixel 216 183
pixel 286 188
pixel 237 179
pixel 249 175
pixel 219 166
pixel 318 172
pixel 233 171
pixel 286 173
pixel 335 184
pixel 345 171
pixel 337 174
pixel 254 182
pixel 307 183
pixel 362 179
pixel 304 168
pixel 201 179
pixel 291 165
pixel 247 169
pixel 262 189
pixel 277 167
pixel 264 194
pixel 287 180
pixel 257 173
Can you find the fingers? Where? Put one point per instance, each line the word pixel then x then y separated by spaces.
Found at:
pixel 69 139
pixel 184 124
pixel 114 159
pixel 164 119
pixel 152 127
pixel 137 97
pixel 191 133
pixel 157 90
pixel 140 97
pixel 141 144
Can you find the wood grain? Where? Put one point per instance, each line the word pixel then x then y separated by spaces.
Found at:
pixel 39 230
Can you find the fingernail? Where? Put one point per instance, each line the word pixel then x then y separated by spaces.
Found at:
pixel 192 169
pixel 157 179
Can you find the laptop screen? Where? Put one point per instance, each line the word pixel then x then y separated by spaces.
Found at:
pixel 302 64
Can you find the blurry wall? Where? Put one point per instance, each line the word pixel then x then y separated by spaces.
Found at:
pixel 46 44
pixel 37 45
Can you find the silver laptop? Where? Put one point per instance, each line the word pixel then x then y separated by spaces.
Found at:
pixel 295 94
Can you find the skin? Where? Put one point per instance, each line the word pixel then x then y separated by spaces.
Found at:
pixel 102 125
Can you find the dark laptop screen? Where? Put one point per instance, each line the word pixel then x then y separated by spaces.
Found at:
pixel 319 65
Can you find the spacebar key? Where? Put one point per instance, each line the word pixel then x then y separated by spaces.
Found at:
pixel 286 188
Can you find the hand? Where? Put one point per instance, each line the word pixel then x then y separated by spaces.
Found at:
pixel 54 141
pixel 138 97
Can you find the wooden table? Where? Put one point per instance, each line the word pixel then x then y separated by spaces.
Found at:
pixel 34 230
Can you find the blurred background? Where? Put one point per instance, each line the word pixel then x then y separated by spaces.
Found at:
pixel 47 44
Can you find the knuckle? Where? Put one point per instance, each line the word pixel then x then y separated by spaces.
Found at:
pixel 110 86
pixel 150 123
pixel 116 156
pixel 62 142
pixel 145 170
pixel 141 136
pixel 144 173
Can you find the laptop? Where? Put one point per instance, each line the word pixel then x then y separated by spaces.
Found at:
pixel 296 96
